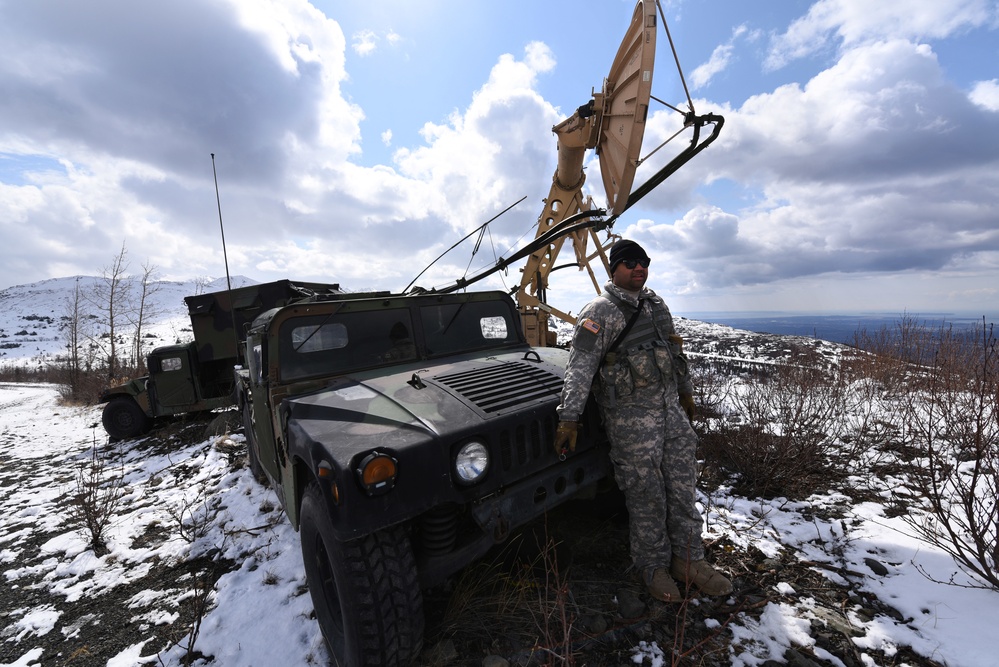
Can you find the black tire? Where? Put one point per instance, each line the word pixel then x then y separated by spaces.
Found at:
pixel 366 592
pixel 124 419
pixel 252 459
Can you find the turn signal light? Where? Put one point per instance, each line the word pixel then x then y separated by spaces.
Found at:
pixel 377 473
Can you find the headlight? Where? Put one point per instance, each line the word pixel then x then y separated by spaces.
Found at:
pixel 472 462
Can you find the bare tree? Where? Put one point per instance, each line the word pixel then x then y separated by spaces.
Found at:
pixel 110 298
pixel 74 330
pixel 144 311
pixel 201 284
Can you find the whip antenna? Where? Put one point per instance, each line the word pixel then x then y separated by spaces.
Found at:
pixel 228 281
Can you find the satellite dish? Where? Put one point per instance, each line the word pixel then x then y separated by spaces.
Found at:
pixel 613 123
pixel 626 94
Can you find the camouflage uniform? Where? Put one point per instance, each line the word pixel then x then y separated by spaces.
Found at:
pixel 653 446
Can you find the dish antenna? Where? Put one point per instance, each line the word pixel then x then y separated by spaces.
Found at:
pixel 612 123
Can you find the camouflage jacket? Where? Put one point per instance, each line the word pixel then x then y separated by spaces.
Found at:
pixel 647 366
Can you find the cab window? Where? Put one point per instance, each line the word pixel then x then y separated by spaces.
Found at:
pixel 322 345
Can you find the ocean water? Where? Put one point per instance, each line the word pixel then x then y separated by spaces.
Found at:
pixel 838 328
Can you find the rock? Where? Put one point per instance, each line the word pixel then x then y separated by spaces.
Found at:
pixel 495 661
pixel 629 605
pixel 836 621
pixel 876 567
pixel 595 624
pixel 796 659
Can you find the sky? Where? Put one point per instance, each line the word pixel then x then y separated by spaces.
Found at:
pixel 355 142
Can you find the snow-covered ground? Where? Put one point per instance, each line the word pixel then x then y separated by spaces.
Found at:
pixel 194 501
pixel 192 520
pixel 261 608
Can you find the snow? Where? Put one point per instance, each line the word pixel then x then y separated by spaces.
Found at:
pixel 950 624
pixel 202 497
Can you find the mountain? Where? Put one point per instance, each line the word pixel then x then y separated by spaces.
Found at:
pixel 33 317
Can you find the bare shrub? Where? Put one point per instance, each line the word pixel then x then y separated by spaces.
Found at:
pixel 952 415
pixel 781 441
pixel 99 492
pixel 195 517
pixel 892 352
pixel 711 389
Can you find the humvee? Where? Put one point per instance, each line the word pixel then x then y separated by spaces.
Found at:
pixel 405 435
pixel 197 376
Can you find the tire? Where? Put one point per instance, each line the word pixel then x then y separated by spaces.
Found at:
pixel 252 458
pixel 124 419
pixel 366 592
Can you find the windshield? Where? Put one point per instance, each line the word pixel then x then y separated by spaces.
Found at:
pixel 319 344
pixel 324 344
pixel 466 326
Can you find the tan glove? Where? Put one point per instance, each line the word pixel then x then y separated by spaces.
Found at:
pixel 565 436
pixel 687 403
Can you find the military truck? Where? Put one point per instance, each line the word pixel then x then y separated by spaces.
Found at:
pixel 197 376
pixel 405 435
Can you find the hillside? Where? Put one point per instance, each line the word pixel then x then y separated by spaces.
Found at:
pixel 32 318
pixel 200 567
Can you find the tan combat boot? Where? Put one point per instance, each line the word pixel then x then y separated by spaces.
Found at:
pixel 661 586
pixel 698 573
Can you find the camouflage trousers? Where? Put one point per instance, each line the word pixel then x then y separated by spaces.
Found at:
pixel 654 452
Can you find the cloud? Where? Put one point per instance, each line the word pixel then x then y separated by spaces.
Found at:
pixel 878 163
pixel 986 94
pixel 875 165
pixel 364 42
pixel 855 22
pixel 718 62
pixel 500 145
pixel 104 92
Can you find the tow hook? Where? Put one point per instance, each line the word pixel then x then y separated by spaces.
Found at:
pixel 501 530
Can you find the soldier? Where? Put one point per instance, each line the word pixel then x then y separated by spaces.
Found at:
pixel 624 346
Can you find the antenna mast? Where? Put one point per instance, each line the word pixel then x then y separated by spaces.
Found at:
pixel 225 257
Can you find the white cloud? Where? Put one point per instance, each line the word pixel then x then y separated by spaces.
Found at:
pixel 876 165
pixel 364 42
pixel 854 22
pixel 718 62
pixel 986 94
pixel 500 145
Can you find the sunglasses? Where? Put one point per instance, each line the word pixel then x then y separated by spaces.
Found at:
pixel 632 263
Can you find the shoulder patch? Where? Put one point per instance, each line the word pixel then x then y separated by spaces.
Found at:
pixel 590 326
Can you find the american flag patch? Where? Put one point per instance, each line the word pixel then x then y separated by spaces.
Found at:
pixel 590 326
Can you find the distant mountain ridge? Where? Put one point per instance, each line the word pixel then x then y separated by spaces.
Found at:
pixel 32 318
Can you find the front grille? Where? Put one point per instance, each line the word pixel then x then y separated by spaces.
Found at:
pixel 527 445
pixel 496 388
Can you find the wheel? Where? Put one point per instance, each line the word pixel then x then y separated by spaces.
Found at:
pixel 124 419
pixel 365 591
pixel 252 458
